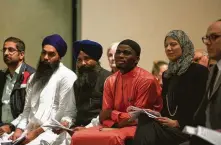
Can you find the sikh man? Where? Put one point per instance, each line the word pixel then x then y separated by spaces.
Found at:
pixel 13 82
pixel 90 83
pixel 130 86
pixel 49 94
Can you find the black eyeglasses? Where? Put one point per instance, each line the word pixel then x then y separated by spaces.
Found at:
pixel 210 38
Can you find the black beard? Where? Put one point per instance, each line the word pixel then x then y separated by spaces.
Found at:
pixel 10 62
pixel 87 76
pixel 43 74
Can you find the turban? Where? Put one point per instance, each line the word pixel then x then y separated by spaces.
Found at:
pixel 134 45
pixel 57 42
pixel 91 48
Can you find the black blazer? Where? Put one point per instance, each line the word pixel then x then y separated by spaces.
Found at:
pixel 17 98
pixel 213 101
pixel 188 93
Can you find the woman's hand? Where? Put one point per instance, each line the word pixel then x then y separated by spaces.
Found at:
pixel 168 122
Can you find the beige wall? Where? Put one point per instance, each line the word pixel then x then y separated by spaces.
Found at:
pixel 106 21
pixel 32 20
pixel 147 22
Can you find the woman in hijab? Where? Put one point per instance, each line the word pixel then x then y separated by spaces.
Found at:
pixel 184 85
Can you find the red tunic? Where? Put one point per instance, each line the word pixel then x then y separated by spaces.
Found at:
pixel 137 88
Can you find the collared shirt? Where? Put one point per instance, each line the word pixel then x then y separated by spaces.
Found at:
pixel 9 85
pixel 55 101
pixel 136 88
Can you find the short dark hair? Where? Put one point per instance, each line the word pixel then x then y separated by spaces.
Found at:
pixel 219 20
pixel 157 65
pixel 19 43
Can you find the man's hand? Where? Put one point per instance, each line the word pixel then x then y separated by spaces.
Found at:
pixel 65 123
pixel 204 61
pixel 58 131
pixel 76 129
pixel 16 134
pixel 104 115
pixel 201 59
pixel 123 123
pixel 1 131
pixel 79 128
pixel 5 128
pixel 168 122
pixel 32 135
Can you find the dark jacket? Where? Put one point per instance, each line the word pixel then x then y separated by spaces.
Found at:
pixel 188 91
pixel 212 104
pixel 17 98
pixel 89 99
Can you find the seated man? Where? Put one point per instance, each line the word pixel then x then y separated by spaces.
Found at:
pixel 110 54
pixel 90 83
pixel 49 94
pixel 131 86
pixel 13 81
pixel 209 110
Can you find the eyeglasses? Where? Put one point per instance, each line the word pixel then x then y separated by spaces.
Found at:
pixel 210 38
pixel 11 50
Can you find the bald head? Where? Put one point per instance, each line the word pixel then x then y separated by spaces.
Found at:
pixel 215 27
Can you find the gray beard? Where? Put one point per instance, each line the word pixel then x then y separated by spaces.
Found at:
pixel 88 78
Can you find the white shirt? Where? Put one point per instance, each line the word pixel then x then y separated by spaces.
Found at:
pixel 56 101
pixel 9 85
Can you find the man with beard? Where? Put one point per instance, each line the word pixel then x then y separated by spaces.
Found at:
pixel 130 86
pixel 89 85
pixel 49 95
pixel 13 81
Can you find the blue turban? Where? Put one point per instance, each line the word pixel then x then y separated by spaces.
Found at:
pixel 57 42
pixel 91 48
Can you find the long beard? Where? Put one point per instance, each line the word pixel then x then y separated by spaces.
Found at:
pixel 43 74
pixel 87 76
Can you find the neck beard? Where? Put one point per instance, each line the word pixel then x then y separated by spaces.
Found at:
pixel 12 64
pixel 43 74
pixel 87 76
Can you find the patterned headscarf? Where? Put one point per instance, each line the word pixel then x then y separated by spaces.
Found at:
pixel 182 64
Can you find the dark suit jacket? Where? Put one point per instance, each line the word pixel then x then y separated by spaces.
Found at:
pixel 17 98
pixel 213 101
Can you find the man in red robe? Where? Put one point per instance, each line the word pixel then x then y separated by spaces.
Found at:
pixel 130 86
